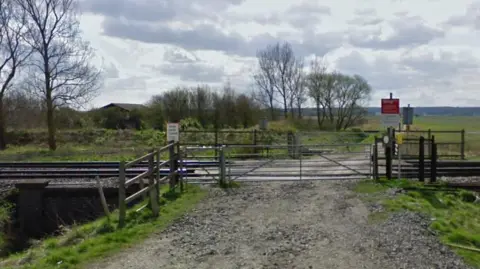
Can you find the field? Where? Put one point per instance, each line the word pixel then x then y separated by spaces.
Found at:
pixel 113 145
pixel 447 124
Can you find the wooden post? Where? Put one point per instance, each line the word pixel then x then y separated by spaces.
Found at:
pixel 122 207
pixel 421 159
pixel 171 151
pixel 151 183
pixel 157 176
pixel 388 161
pixel 102 198
pixel 222 166
pixel 255 150
pixel 433 164
pixel 429 139
pixel 388 154
pixel 462 144
pixel 375 159
pixel 216 143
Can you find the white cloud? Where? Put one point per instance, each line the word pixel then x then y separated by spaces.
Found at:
pixel 423 57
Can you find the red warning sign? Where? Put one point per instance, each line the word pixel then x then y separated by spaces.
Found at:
pixel 390 106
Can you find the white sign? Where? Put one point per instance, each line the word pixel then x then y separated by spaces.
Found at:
pixel 173 132
pixel 390 120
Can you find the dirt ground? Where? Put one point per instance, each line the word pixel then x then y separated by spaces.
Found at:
pixel 288 225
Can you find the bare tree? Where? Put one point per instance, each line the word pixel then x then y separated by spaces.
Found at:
pixel 281 63
pixel 176 104
pixel 61 73
pixel 264 78
pixel 296 88
pixel 13 53
pixel 201 103
pixel 351 95
pixel 316 82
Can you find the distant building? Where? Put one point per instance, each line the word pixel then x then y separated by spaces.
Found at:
pixel 129 121
pixel 124 106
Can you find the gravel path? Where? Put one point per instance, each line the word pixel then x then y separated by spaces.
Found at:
pixel 288 225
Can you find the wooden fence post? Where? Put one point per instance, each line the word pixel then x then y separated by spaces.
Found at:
pixel 102 198
pixel 433 164
pixel 157 176
pixel 216 144
pixel 122 207
pixel 171 155
pixel 429 137
pixel 151 184
pixel 388 154
pixel 255 150
pixel 388 160
pixel 375 159
pixel 462 144
pixel 421 159
pixel 222 166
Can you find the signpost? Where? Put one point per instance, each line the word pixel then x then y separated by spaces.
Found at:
pixel 173 132
pixel 390 112
pixel 407 115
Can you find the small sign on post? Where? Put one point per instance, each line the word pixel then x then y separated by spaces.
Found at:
pixel 173 132
pixel 263 124
pixel 390 112
pixel 399 138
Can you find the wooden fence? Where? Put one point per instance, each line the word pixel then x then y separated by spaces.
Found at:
pixel 152 189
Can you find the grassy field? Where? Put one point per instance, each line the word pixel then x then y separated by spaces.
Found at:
pixel 437 124
pixel 455 216
pixel 80 245
pixel 113 145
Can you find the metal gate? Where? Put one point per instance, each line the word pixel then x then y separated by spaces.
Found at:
pixel 291 162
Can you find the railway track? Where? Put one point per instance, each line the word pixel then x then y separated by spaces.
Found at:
pixel 92 165
pixel 85 170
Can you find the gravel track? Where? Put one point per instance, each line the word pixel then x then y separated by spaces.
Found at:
pixel 288 225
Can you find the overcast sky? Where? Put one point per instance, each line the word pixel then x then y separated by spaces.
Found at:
pixel 427 52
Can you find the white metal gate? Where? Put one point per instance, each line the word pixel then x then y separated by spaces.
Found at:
pixel 257 163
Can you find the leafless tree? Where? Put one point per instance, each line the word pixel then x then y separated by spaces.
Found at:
pixel 296 88
pixel 13 53
pixel 201 103
pixel 176 104
pixel 264 83
pixel 280 63
pixel 339 98
pixel 316 83
pixel 351 95
pixel 61 72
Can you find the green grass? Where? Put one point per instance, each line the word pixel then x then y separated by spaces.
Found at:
pixel 71 153
pixel 84 244
pixel 444 123
pixel 455 217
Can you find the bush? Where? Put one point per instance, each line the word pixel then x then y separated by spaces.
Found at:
pixel 190 123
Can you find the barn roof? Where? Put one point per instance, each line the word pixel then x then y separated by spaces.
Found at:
pixel 126 106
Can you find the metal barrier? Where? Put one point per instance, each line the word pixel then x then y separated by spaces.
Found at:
pixel 259 163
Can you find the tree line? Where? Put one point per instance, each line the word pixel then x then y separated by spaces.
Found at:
pixel 194 107
pixel 46 72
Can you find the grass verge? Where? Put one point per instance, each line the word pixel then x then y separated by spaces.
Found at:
pixel 5 210
pixel 83 244
pixel 455 215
